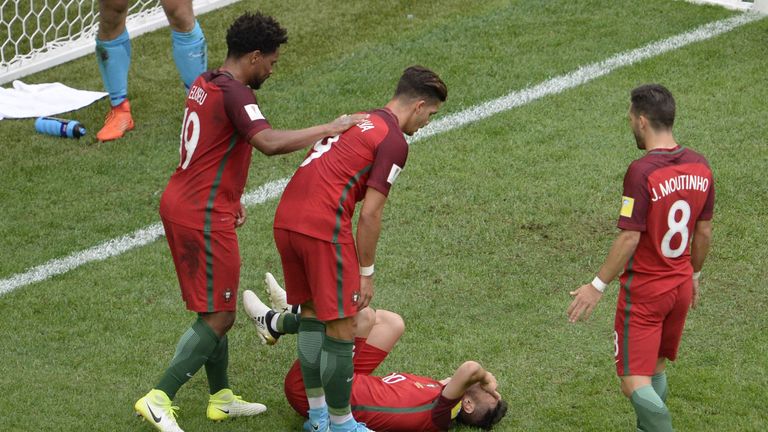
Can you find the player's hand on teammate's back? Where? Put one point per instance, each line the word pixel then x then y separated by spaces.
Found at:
pixel 240 216
pixel 345 122
pixel 696 293
pixel 584 302
pixel 366 292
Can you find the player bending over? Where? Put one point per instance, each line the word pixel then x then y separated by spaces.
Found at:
pixel 395 402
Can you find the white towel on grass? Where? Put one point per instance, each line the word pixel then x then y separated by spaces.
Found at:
pixel 38 100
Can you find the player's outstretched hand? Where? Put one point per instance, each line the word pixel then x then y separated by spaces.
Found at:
pixel 345 122
pixel 366 292
pixel 584 301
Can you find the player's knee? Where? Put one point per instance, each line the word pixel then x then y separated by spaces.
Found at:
pixel 392 320
pixel 633 382
pixel 343 328
pixel 220 322
pixel 625 389
pixel 113 6
pixel 365 319
pixel 180 15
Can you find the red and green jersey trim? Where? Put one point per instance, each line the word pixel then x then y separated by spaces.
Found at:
pixel 207 225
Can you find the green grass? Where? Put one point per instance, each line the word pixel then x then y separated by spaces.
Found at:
pixel 486 231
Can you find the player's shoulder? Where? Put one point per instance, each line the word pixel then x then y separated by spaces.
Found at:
pixel 224 81
pixel 642 167
pixel 384 119
pixel 377 128
pixel 693 156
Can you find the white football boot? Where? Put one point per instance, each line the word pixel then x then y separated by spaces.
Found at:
pixel 276 294
pixel 155 407
pixel 258 313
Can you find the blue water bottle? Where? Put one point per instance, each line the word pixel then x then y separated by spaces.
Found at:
pixel 59 127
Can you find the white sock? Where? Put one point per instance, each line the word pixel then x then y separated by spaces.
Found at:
pixel 316 402
pixel 341 419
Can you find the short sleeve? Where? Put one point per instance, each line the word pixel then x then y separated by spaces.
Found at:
pixel 389 160
pixel 243 111
pixel 441 413
pixel 709 204
pixel 635 199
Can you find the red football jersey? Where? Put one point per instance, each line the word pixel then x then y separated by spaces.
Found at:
pixel 665 193
pixel 220 117
pixel 402 402
pixel 320 199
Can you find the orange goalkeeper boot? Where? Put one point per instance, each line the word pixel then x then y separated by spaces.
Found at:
pixel 117 123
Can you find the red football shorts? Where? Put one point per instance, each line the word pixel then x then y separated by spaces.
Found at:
pixel 645 332
pixel 326 273
pixel 208 268
pixel 366 359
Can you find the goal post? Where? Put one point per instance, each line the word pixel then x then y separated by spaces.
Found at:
pixel 39 34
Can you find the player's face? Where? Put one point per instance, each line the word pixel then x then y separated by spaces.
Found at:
pixel 422 113
pixel 262 67
pixel 485 401
pixel 482 401
pixel 634 123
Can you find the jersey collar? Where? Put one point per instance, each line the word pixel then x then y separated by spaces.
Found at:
pixel 664 151
pixel 389 111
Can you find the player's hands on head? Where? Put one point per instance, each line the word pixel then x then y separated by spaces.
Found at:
pixel 489 384
pixel 345 122
pixel 584 301
pixel 366 292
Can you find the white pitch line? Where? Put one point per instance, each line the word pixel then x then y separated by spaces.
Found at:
pixel 119 245
pixel 514 99
pixel 583 75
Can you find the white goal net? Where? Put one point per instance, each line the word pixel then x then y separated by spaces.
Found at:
pixel 38 34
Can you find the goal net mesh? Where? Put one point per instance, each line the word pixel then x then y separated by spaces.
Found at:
pixel 38 34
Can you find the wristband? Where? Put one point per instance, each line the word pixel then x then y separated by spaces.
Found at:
pixel 599 284
pixel 696 275
pixel 366 271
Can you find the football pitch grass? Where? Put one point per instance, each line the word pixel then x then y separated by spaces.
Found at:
pixel 486 231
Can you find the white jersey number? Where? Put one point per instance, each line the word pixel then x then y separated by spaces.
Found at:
pixel 188 138
pixel 393 378
pixel 676 226
pixel 320 148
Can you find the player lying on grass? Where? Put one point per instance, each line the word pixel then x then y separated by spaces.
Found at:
pixel 398 401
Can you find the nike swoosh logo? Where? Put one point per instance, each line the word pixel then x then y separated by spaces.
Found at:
pixel 315 427
pixel 189 375
pixel 349 379
pixel 154 417
pixel 225 412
